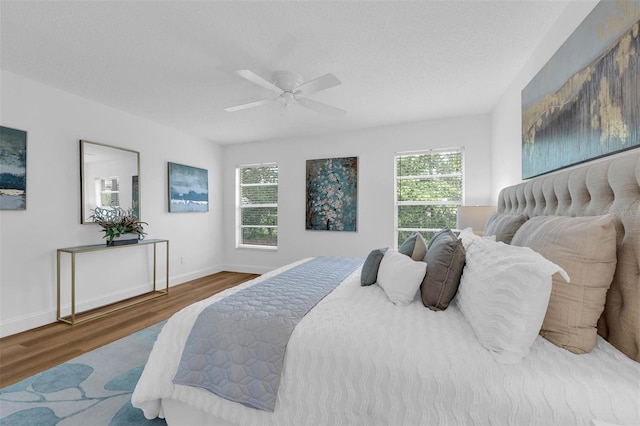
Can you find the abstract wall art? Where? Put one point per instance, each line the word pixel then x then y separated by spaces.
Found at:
pixel 135 196
pixel 584 103
pixel 188 189
pixel 332 194
pixel 13 169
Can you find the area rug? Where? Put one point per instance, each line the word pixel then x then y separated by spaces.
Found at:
pixel 92 389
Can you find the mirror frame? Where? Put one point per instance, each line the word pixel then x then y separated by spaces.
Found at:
pixel 83 143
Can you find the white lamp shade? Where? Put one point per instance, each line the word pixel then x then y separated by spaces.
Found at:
pixel 474 217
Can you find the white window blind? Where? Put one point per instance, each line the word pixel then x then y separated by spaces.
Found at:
pixel 428 191
pixel 108 192
pixel 257 212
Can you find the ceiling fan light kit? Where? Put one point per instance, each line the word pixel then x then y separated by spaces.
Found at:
pixel 286 80
pixel 291 88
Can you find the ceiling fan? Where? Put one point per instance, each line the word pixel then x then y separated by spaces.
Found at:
pixel 291 88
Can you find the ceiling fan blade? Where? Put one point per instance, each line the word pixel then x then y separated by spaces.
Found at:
pixel 256 79
pixel 321 108
pixel 247 106
pixel 321 83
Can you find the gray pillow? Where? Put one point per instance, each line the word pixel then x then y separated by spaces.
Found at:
pixel 445 261
pixel 504 226
pixel 371 265
pixel 414 246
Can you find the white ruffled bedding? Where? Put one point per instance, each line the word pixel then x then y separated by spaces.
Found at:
pixel 358 359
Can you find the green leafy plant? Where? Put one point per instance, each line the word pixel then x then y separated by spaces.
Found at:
pixel 116 221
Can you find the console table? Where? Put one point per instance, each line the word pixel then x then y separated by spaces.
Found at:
pixel 73 251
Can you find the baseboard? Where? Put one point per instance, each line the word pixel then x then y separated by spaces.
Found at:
pixel 26 322
pixel 38 319
pixel 113 297
pixel 248 269
pixel 181 279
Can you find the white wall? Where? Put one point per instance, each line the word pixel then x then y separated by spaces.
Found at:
pixel 506 118
pixel 200 244
pixel 375 149
pixel 55 122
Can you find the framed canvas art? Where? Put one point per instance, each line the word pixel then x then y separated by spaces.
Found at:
pixel 135 196
pixel 188 189
pixel 584 103
pixel 13 169
pixel 332 194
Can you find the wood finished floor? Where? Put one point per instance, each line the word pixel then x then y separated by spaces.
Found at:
pixel 30 352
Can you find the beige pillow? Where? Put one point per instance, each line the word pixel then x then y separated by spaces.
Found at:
pixel 504 226
pixel 415 247
pixel 585 247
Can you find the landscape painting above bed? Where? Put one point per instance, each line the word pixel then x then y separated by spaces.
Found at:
pixel 584 103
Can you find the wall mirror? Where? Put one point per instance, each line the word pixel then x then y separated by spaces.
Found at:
pixel 109 177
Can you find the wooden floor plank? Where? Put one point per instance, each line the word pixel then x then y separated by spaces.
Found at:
pixel 30 352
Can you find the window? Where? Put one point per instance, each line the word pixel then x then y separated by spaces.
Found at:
pixel 428 191
pixel 257 206
pixel 108 192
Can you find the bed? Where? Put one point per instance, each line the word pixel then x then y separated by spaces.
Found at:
pixel 356 358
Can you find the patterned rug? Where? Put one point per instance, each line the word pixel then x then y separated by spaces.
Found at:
pixel 92 389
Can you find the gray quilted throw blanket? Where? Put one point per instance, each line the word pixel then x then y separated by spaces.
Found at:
pixel 237 344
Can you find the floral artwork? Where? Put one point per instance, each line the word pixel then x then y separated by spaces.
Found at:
pixel 332 194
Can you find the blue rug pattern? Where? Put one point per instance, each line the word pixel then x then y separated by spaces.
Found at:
pixel 92 389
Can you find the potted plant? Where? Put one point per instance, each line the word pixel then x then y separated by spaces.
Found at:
pixel 120 226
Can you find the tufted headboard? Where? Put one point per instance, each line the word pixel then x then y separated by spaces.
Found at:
pixel 609 186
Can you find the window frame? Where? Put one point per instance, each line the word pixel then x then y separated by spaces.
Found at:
pixel 396 178
pixel 100 182
pixel 239 206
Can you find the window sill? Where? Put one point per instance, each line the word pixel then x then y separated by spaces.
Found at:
pixel 255 247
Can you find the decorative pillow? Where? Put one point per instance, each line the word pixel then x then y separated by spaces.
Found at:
pixel 415 247
pixel 503 293
pixel 504 226
pixel 400 276
pixel 585 247
pixel 369 273
pixel 467 236
pixel 445 260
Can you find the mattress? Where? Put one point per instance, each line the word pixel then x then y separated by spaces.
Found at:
pixel 358 359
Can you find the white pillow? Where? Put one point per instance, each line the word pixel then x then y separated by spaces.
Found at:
pixel 468 237
pixel 504 292
pixel 400 277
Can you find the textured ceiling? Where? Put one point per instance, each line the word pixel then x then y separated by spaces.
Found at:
pixel 173 61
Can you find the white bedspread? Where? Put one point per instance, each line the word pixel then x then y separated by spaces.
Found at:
pixel 357 359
